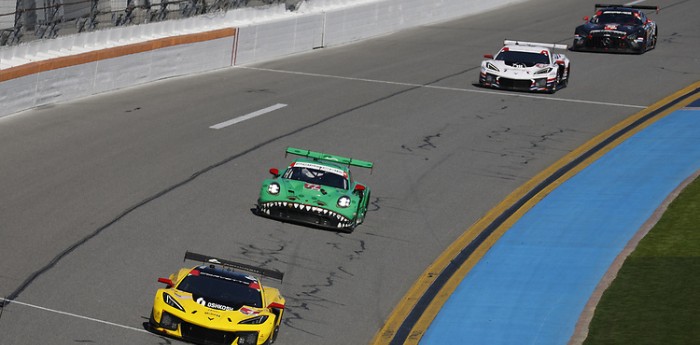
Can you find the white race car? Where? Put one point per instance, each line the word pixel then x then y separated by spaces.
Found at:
pixel 526 66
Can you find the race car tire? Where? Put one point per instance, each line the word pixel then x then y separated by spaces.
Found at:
pixel 565 82
pixel 350 228
pixel 643 48
pixel 555 85
pixel 271 339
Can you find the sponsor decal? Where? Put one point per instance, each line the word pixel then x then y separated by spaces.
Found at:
pixel 213 305
pixel 611 26
pixel 621 33
pixel 212 314
pixel 312 186
pixel 619 12
pixel 218 306
pixel 319 167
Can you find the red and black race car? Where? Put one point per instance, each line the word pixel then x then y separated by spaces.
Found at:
pixel 617 28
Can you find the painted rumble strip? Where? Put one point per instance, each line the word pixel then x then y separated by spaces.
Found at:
pixel 413 315
pixel 248 116
pixel 109 53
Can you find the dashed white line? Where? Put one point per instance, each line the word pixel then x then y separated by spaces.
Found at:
pixel 248 116
pixel 493 92
pixel 74 315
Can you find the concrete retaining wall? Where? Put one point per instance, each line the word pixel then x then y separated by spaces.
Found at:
pixel 71 67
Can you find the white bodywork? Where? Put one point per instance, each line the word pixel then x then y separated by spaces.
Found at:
pixel 526 66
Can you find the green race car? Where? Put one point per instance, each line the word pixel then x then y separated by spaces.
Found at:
pixel 317 189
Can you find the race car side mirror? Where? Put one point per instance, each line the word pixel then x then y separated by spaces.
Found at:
pixel 488 56
pixel 166 281
pixel 275 305
pixel 359 188
pixel 274 172
pixel 586 18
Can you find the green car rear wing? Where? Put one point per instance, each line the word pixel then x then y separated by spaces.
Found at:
pixel 330 158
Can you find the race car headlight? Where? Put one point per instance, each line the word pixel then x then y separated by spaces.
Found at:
pixel 169 300
pixel 492 67
pixel 344 201
pixel 544 70
pixel 254 320
pixel 273 188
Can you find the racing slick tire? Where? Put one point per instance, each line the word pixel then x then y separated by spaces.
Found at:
pixel 273 337
pixel 654 38
pixel 350 228
pixel 565 82
pixel 555 85
pixel 642 49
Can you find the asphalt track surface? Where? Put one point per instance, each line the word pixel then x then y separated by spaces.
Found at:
pixel 533 284
pixel 102 196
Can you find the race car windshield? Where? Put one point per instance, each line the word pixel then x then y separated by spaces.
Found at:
pixel 316 176
pixel 528 59
pixel 224 291
pixel 616 18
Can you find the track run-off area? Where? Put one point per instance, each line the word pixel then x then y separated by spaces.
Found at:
pixel 103 195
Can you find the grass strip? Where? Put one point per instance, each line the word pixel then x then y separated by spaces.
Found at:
pixel 655 298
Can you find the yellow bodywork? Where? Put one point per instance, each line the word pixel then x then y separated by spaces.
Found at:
pixel 217 319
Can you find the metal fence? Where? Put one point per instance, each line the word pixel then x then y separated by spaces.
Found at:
pixel 26 20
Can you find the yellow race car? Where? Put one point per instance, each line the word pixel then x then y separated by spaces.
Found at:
pixel 214 303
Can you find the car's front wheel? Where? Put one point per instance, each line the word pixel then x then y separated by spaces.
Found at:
pixel 555 85
pixel 565 81
pixel 273 337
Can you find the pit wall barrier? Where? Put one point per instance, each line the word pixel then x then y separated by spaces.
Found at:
pixel 71 67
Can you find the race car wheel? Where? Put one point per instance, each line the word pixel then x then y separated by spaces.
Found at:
pixel 555 84
pixel 349 229
pixel 273 337
pixel 565 82
pixel 643 48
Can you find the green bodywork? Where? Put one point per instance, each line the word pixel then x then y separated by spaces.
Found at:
pixel 317 189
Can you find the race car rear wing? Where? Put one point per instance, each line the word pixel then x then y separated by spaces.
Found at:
pixel 331 158
pixel 236 265
pixel 637 7
pixel 535 44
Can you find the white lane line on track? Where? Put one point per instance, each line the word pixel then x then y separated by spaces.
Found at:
pixel 75 315
pixel 492 92
pixel 248 116
pixel 634 2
